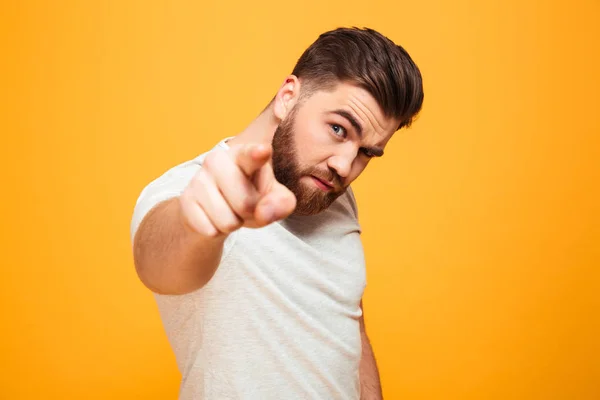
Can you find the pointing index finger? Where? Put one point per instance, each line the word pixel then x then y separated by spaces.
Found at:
pixel 251 157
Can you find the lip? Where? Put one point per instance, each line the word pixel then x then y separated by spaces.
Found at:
pixel 323 185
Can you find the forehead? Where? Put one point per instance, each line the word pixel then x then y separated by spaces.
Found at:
pixel 357 101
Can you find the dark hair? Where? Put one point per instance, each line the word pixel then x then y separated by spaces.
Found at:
pixel 365 57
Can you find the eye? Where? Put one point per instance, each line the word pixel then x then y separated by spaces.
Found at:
pixel 338 130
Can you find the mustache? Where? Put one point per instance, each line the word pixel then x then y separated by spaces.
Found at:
pixel 328 176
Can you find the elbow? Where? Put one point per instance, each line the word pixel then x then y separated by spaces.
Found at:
pixel 160 282
pixel 168 269
pixel 154 285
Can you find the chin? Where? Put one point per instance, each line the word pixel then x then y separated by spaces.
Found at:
pixel 308 209
pixel 312 201
pixel 307 213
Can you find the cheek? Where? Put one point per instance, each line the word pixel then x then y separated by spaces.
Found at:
pixel 315 133
pixel 312 143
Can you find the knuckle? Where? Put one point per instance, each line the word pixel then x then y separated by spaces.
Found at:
pixel 209 161
pixel 209 231
pixel 187 200
pixel 191 221
pixel 184 198
pixel 230 225
pixel 200 178
pixel 215 159
pixel 201 181
pixel 198 222
pixel 184 204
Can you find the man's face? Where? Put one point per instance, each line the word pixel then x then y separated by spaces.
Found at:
pixel 326 142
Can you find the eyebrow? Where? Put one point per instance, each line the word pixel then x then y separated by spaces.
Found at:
pixel 376 151
pixel 351 119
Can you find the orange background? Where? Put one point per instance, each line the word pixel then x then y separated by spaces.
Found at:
pixel 481 223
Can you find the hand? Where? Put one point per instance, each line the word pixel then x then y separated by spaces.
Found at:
pixel 235 188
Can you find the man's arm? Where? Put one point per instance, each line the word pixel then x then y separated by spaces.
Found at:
pixel 370 385
pixel 179 243
pixel 171 258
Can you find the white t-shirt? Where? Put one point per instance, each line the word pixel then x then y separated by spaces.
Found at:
pixel 280 317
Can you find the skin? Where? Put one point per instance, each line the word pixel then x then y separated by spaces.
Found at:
pixel 328 138
pixel 322 123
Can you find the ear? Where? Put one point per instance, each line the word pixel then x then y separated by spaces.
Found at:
pixel 287 97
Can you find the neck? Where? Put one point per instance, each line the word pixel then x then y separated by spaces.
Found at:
pixel 259 131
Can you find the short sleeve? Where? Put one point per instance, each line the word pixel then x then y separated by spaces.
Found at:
pixel 171 184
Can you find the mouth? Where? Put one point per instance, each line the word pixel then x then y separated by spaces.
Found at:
pixel 321 184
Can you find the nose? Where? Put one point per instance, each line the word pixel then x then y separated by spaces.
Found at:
pixel 341 162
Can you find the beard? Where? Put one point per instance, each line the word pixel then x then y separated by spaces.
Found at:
pixel 310 200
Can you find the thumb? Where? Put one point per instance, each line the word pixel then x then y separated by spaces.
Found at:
pixel 276 205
